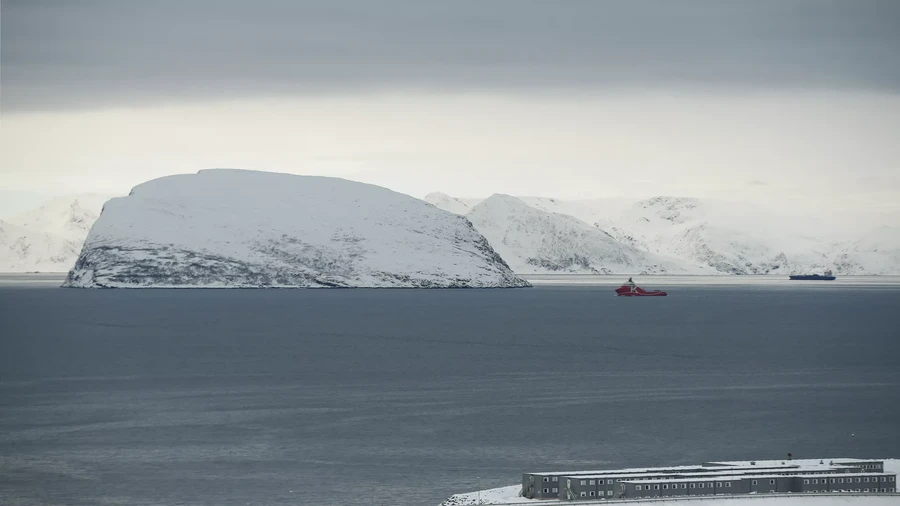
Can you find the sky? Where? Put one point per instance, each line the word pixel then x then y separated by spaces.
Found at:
pixel 788 104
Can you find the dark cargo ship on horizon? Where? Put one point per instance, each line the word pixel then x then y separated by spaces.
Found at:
pixel 827 276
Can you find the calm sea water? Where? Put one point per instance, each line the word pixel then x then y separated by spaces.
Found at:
pixel 403 397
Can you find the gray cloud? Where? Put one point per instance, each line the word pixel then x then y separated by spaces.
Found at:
pixel 91 53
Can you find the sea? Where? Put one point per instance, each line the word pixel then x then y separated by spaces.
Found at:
pixel 403 397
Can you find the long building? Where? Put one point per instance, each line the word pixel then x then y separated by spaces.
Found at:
pixel 713 478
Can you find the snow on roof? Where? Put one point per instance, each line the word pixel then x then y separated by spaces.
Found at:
pixel 631 470
pixel 787 462
pixel 706 470
pixel 719 467
pixel 759 477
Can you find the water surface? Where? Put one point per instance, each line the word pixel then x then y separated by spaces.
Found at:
pixel 403 397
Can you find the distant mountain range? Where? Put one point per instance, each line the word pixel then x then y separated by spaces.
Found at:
pixel 662 235
pixel 668 235
pixel 49 238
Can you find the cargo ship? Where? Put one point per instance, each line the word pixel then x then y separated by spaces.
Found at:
pixel 813 277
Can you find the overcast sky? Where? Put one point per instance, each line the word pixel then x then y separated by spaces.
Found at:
pixel 787 103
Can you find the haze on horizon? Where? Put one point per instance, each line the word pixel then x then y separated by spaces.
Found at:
pixel 789 104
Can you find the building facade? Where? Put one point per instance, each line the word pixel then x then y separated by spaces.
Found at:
pixel 713 478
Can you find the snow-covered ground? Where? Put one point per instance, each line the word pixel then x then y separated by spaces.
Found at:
pixel 48 239
pixel 500 496
pixel 510 495
pixel 235 228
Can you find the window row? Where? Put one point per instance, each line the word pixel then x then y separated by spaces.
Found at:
pixel 849 480
pixel 665 486
pixel 598 482
pixel 599 494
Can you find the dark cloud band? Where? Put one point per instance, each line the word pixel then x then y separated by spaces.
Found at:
pixel 108 52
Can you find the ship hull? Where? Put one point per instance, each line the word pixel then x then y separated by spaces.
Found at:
pixel 812 277
pixel 625 291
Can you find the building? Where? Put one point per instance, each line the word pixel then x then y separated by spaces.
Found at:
pixel 713 478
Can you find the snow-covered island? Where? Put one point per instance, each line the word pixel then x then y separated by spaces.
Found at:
pixel 226 228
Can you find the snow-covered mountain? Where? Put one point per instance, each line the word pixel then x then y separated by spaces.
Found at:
pixel 536 241
pixel 877 252
pixel 451 204
pixel 237 228
pixel 732 237
pixel 697 231
pixel 724 237
pixel 48 239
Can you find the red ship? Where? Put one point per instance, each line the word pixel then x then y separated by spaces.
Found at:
pixel 636 291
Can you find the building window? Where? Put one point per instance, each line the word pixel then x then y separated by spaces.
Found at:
pixel 609 492
pixel 857 480
pixel 865 490
pixel 546 490
pixel 665 486
pixel 555 490
pixel 806 482
pixel 591 482
pixel 693 485
pixel 555 479
pixel 591 493
pixel 656 487
pixel 840 480
pixel 546 479
pixel 832 480
pixel 609 482
pixel 772 482
pixel 883 478
pixel 727 483
pixel 637 487
pixel 583 494
pixel 583 482
pixel 866 479
pixel 753 482
pixel 701 485
pixel 815 482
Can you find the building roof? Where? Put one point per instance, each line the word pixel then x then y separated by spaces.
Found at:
pixel 787 462
pixel 798 465
pixel 759 477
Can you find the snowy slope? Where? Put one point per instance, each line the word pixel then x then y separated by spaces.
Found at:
pixel 595 211
pixel 447 203
pixel 733 238
pixel 725 237
pixel 235 228
pixel 48 239
pixel 877 252
pixel 535 241
pixel 451 204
